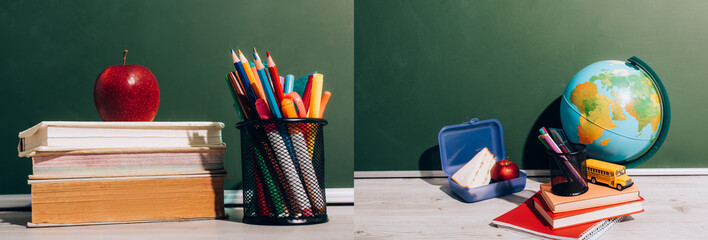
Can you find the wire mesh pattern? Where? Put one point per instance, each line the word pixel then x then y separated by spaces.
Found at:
pixel 283 171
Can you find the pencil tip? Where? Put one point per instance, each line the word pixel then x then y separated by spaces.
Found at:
pixel 254 50
pixel 268 53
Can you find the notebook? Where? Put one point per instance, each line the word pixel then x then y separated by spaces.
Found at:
pixel 524 220
pixel 575 217
pixel 596 195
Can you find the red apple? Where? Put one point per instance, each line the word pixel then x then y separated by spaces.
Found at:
pixel 504 170
pixel 126 93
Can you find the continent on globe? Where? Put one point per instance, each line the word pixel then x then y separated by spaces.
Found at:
pixel 595 109
pixel 645 106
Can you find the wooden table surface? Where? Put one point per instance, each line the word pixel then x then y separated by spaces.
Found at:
pixel 676 207
pixel 340 226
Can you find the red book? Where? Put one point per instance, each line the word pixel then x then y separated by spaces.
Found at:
pixel 593 214
pixel 526 220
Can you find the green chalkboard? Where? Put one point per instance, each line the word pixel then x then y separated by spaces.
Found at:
pixel 52 52
pixel 421 65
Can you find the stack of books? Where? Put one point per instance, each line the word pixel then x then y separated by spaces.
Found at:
pixel 118 172
pixel 585 216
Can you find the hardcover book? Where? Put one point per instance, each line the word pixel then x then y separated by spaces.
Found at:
pixel 88 201
pixel 593 214
pixel 126 162
pixel 595 196
pixel 65 136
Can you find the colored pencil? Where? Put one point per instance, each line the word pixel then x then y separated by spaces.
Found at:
pixel 242 100
pixel 273 70
pixel 258 61
pixel 272 104
pixel 258 89
pixel 243 78
pixel 233 95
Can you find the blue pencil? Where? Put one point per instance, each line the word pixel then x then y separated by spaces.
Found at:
pixel 244 78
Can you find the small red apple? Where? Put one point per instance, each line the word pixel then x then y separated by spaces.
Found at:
pixel 126 93
pixel 504 170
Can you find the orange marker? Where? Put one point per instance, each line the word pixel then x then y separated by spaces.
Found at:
pixel 302 113
pixel 325 99
pixel 289 108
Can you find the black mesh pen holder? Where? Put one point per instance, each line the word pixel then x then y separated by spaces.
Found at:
pixel 283 171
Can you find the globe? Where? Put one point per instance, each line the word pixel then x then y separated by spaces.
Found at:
pixel 619 109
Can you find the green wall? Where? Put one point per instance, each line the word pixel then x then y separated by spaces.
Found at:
pixel 421 65
pixel 52 52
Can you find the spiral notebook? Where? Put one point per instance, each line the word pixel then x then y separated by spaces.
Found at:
pixel 524 219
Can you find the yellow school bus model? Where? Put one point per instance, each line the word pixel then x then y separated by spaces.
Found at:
pixel 613 175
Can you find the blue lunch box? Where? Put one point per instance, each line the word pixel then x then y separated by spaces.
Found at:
pixel 460 143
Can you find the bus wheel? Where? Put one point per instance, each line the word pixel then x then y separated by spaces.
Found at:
pixel 619 187
pixel 592 180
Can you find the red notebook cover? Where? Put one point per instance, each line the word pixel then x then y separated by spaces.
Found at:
pixel 523 218
pixel 593 214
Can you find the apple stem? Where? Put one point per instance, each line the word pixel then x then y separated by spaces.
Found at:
pixel 125 52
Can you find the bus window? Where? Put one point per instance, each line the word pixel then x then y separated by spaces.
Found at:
pixel 620 172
